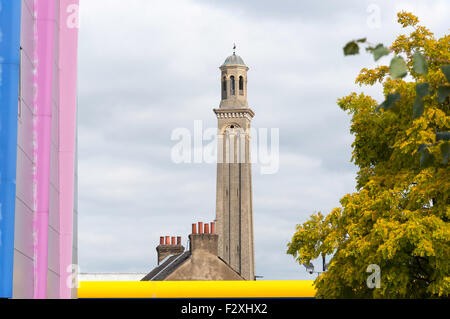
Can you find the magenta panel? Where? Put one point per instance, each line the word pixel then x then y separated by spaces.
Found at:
pixel 45 24
pixel 68 49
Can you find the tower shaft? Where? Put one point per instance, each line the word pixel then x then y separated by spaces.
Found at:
pixel 234 211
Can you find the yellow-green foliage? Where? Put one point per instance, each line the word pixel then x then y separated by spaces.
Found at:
pixel 399 216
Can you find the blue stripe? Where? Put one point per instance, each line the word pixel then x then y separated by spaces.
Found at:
pixel 10 11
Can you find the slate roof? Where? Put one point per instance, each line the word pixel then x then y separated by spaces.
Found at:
pixel 167 267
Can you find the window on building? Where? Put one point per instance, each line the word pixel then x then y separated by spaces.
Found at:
pixel 241 85
pixel 232 86
pixel 224 88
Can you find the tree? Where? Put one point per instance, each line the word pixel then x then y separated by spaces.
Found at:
pixel 398 218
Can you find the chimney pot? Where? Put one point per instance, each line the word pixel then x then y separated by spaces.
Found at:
pixel 213 228
pixel 167 240
pixel 194 228
pixel 200 227
pixel 161 240
pixel 173 240
pixel 206 228
pixel 179 240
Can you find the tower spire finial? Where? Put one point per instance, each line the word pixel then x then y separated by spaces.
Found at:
pixel 234 48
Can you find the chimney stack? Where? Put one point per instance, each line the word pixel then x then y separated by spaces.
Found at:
pixel 206 240
pixel 169 245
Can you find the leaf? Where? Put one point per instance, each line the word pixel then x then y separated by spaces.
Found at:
pixel 362 40
pixel 445 150
pixel 398 67
pixel 390 100
pixel 446 70
pixel 380 51
pixel 425 157
pixel 422 89
pixel 442 93
pixel 351 48
pixel 422 147
pixel 417 108
pixel 442 136
pixel 420 65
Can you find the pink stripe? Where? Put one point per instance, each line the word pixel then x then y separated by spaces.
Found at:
pixel 68 44
pixel 45 16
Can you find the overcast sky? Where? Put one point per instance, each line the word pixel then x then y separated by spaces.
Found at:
pixel 148 67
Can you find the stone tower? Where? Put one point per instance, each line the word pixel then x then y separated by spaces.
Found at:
pixel 234 212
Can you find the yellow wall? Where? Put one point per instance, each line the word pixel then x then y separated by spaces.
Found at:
pixel 195 289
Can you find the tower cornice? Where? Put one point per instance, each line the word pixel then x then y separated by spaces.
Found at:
pixel 233 66
pixel 234 113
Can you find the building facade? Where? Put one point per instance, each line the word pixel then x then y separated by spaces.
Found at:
pixel 41 249
pixel 198 263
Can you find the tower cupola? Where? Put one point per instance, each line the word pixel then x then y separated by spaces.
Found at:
pixel 233 83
